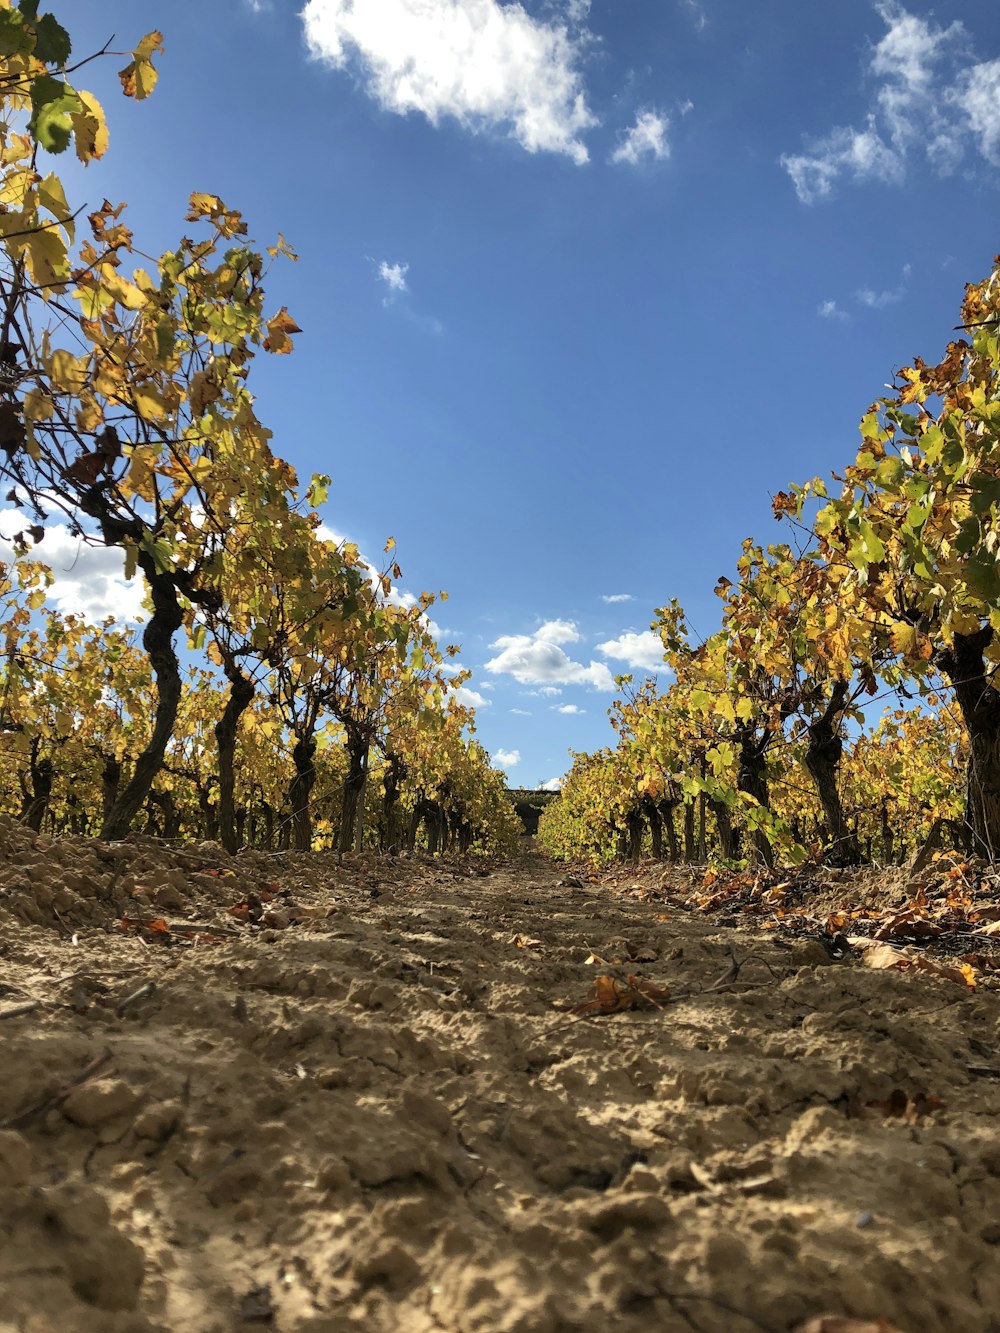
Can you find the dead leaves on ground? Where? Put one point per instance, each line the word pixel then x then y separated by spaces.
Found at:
pixel 883 957
pixel 951 920
pixel 899 1105
pixel 608 996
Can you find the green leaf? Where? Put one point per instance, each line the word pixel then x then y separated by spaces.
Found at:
pixel 53 45
pixel 969 536
pixel 15 38
pixel 889 473
pixel 318 490
pixel 53 104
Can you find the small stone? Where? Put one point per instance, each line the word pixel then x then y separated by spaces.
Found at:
pixel 864 1219
pixel 98 1102
pixel 159 1121
pixel 15 1158
pixel 333 1175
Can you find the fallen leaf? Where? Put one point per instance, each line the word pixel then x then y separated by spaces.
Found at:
pixel 884 957
pixel 607 996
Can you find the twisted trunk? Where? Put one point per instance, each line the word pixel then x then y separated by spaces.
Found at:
pixel 822 759
pixel 354 786
pixel 751 778
pixel 241 692
pixel 965 666
pixel 300 790
pixel 158 641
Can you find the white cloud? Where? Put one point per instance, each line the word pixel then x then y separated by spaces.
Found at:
pixel 520 712
pixel 646 140
pixel 698 15
pixel 980 100
pixel 568 709
pixel 617 597
pixel 877 300
pixel 485 64
pixel 831 310
pixel 89 580
pixel 470 698
pixel 506 759
pixel 540 659
pixel 642 651
pixel 394 277
pixel 553 784
pixel 930 100
pixel 860 153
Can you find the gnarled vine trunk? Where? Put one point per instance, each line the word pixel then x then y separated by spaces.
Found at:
pixel 354 786
pixel 241 692
pixel 822 759
pixel 965 666
pixel 751 777
pixel 158 641
pixel 300 791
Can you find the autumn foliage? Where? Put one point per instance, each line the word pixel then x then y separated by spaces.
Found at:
pixel 319 712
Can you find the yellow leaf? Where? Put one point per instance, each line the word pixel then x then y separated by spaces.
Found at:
pixel 51 196
pixel 203 205
pixel 124 292
pixel 278 329
pixel 89 415
pixel 140 476
pixel 38 406
pixel 204 390
pixel 68 372
pixel 139 77
pixel 45 254
pixel 90 129
pixel 149 403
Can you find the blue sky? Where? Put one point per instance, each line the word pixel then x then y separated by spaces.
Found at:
pixel 580 285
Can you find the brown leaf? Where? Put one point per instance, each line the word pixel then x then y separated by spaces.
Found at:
pixel 607 996
pixel 909 922
pixel 87 468
pixel 884 956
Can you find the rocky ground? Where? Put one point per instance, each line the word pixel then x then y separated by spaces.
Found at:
pixel 413 1095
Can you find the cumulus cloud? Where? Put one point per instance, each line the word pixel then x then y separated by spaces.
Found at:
pixel 487 65
pixel 929 100
pixel 643 652
pixel 470 698
pixel 540 659
pixel 611 598
pixel 506 759
pixel 89 580
pixel 553 784
pixel 831 310
pixel 645 141
pixel 980 101
pixel 520 712
pixel 568 709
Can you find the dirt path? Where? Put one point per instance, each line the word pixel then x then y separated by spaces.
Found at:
pixel 370 1115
